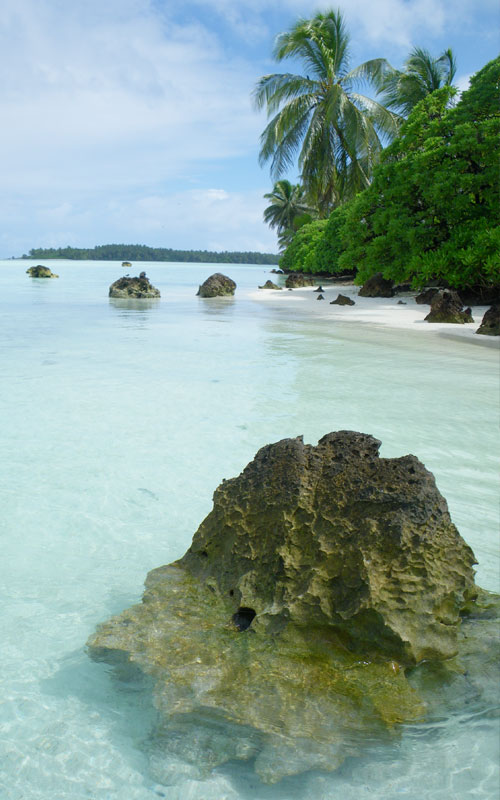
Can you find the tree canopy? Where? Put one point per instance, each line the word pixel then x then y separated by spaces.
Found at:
pixel 431 212
pixel 421 75
pixel 320 117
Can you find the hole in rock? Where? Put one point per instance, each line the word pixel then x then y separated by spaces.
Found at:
pixel 243 618
pixel 231 592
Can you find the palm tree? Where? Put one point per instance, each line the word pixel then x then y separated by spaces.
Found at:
pixel 336 132
pixel 287 203
pixel 422 74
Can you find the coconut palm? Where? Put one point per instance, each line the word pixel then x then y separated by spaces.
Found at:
pixel 287 203
pixel 336 132
pixel 422 74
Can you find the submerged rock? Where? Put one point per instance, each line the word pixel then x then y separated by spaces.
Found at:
pixel 285 632
pixel 138 287
pixel 446 306
pixel 217 285
pixel 270 285
pixel 40 272
pixel 296 281
pixel 377 286
pixel 342 300
pixel 490 325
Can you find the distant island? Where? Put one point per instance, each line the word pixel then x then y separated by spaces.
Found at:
pixel 140 252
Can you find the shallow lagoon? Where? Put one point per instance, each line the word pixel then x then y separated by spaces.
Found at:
pixel 119 420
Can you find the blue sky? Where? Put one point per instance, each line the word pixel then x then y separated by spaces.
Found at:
pixel 131 120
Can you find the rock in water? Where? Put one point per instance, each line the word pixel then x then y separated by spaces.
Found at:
pixel 133 287
pixel 490 325
pixel 270 285
pixel 217 285
pixel 41 272
pixel 377 286
pixel 446 306
pixel 319 575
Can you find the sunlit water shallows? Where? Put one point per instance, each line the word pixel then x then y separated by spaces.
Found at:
pixel 118 422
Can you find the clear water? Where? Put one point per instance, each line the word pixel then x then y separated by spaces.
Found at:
pixel 117 423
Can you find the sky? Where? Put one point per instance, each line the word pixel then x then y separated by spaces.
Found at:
pixel 131 121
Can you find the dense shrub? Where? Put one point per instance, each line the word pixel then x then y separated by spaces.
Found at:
pixel 299 256
pixel 431 212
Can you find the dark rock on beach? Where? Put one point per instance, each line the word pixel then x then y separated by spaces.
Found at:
pixel 321 574
pixel 490 325
pixel 296 281
pixel 270 285
pixel 425 297
pixel 139 287
pixel 342 300
pixel 377 286
pixel 446 306
pixel 217 285
pixel 41 272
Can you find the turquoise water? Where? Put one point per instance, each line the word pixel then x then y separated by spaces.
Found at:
pixel 118 422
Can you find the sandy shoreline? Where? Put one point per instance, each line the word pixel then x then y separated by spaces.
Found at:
pixel 384 311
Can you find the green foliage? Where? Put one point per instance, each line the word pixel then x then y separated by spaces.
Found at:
pixel 287 207
pixel 140 252
pixel 422 75
pixel 329 246
pixel 300 255
pixel 336 132
pixel 431 212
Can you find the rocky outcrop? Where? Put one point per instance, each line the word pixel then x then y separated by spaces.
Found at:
pixel 217 285
pixel 40 272
pixel 377 286
pixel 296 281
pixel 446 306
pixel 318 576
pixel 342 300
pixel 139 287
pixel 490 325
pixel 126 264
pixel 270 285
pixel 425 297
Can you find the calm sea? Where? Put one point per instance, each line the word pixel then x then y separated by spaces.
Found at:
pixel 118 421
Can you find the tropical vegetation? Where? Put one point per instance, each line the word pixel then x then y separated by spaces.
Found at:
pixel 422 74
pixel 430 213
pixel 335 132
pixel 140 252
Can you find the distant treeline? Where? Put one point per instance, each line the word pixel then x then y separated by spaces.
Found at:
pixel 140 252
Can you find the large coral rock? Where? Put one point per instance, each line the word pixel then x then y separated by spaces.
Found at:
pixel 284 631
pixel 41 272
pixel 217 285
pixel 446 306
pixel 377 286
pixel 139 287
pixel 335 536
pixel 296 281
pixel 490 325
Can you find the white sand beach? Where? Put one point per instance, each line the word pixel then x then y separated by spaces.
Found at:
pixel 399 312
